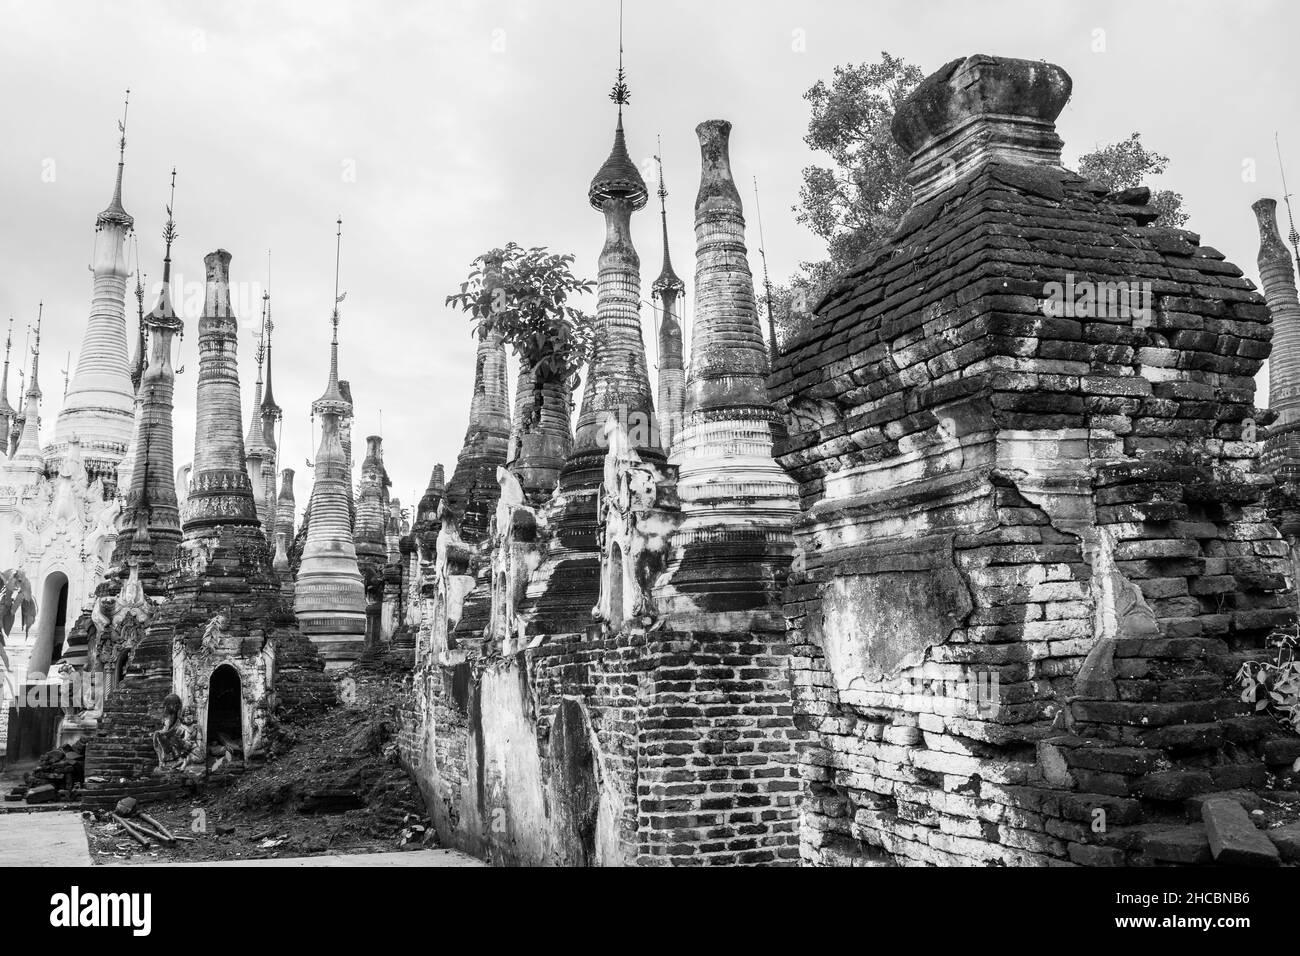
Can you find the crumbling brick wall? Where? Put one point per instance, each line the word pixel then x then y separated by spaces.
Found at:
pixel 1033 546
pixel 640 749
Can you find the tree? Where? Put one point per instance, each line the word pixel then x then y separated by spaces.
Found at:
pixel 1127 164
pixel 530 310
pixel 862 195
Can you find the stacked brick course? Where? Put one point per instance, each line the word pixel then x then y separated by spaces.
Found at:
pixel 1032 541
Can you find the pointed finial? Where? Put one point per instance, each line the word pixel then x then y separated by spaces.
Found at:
pixel 121 148
pixel 267 324
pixel 261 340
pixel 33 386
pixel 139 284
pixel 269 406
pixel 338 252
pixel 67 372
pixel 115 213
pixel 1293 237
pixel 22 371
pixel 767 281
pixel 620 94
pixel 659 161
pixel 169 230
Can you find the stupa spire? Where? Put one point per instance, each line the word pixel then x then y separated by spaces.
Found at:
pixel 29 445
pixel 618 382
pixel 268 406
pixel 220 492
pixel 473 489
pixel 151 502
pixel 738 502
pixel 617 387
pixel 270 414
pixel 99 411
pixel 115 212
pixel 667 289
pixel 7 411
pixel 126 467
pixel 141 358
pixel 1278 276
pixel 329 596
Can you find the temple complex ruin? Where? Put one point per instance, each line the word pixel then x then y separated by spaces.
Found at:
pixel 964 574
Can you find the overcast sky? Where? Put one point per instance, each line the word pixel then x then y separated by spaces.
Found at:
pixel 439 130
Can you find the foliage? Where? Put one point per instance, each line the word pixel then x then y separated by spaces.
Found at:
pixel 860 196
pixel 531 311
pixel 1274 686
pixel 1127 164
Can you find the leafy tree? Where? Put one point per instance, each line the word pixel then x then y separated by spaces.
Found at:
pixel 860 197
pixel 530 310
pixel 1128 163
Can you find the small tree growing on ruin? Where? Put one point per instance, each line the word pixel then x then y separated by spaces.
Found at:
pixel 861 195
pixel 1127 164
pixel 531 311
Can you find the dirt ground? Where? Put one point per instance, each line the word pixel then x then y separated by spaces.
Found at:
pixel 332 785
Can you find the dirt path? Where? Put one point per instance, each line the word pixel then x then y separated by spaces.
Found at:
pixel 50 838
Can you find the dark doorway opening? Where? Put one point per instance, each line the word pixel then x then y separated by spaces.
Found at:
pixel 225 725
pixel 60 625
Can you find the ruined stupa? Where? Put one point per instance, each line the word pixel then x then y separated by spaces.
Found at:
pixel 1031 548
pixel 329 598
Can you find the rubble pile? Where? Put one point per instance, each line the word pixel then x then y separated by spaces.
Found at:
pixel 330 784
pixel 57 777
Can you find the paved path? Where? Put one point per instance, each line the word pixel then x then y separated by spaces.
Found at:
pixel 57 838
pixel 43 839
pixel 402 858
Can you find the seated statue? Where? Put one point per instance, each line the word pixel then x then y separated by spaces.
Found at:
pixel 174 742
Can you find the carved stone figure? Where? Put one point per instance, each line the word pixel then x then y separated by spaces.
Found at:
pixel 634 521
pixel 131 612
pixel 215 633
pixel 169 741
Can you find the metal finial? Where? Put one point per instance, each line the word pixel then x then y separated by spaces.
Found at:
pixel 1293 237
pixel 67 372
pixel 767 281
pixel 338 252
pixel 121 126
pixel 267 324
pixel 261 340
pixel 659 160
pixel 620 94
pixel 36 347
pixel 169 230
pixel 139 280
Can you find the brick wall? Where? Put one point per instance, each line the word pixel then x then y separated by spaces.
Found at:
pixel 672 748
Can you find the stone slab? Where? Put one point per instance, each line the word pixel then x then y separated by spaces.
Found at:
pixel 1234 840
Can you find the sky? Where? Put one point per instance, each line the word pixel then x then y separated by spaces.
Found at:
pixel 438 130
